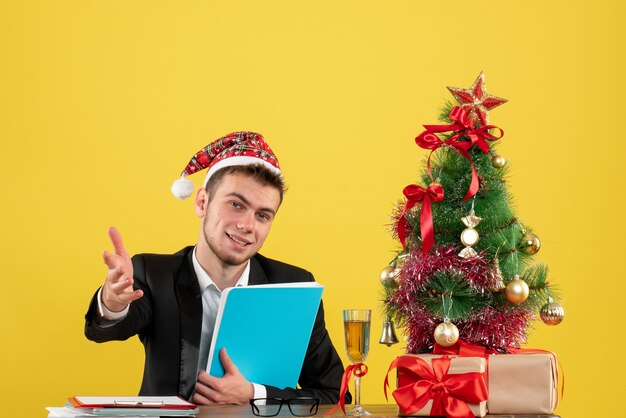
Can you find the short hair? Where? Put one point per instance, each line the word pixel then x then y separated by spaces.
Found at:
pixel 258 172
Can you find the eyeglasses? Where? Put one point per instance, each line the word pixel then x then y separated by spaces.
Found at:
pixel 270 407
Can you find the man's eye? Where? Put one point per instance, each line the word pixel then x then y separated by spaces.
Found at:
pixel 264 216
pixel 236 205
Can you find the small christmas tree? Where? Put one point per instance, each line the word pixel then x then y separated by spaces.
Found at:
pixel 466 267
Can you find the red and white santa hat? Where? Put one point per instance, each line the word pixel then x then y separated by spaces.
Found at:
pixel 238 148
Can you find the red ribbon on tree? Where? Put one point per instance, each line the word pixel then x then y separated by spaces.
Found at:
pixel 450 392
pixel 463 126
pixel 345 383
pixel 415 194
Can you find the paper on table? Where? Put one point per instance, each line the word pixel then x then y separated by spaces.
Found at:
pixel 133 401
pixel 126 406
pixel 68 412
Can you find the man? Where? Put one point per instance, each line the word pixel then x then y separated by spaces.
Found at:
pixel 171 301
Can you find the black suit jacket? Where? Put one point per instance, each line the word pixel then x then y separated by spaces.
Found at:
pixel 168 320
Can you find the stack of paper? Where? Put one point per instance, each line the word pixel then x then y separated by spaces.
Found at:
pixel 124 406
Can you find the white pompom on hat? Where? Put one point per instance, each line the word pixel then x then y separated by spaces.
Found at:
pixel 238 148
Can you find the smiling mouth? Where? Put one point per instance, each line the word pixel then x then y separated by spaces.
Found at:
pixel 237 240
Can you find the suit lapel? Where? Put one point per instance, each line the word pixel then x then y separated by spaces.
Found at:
pixel 190 306
pixel 257 274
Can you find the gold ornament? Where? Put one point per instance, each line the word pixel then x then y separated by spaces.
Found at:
pixel 446 333
pixel 388 276
pixel 397 276
pixel 516 290
pixel 552 313
pixel 530 243
pixel 388 336
pixel 498 161
pixel 400 260
pixel 435 183
pixel 468 252
pixel 469 236
pixel 497 275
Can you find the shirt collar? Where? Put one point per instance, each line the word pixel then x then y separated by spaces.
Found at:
pixel 205 281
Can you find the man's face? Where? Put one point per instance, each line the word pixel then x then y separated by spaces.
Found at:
pixel 236 218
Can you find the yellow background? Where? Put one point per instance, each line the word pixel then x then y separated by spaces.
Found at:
pixel 102 103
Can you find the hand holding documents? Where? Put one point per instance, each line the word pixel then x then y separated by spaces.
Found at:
pixel 265 330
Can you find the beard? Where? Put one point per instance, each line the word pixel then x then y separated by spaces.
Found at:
pixel 220 253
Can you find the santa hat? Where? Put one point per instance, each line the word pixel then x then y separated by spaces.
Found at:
pixel 238 148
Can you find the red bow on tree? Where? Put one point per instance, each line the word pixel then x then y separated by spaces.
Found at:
pixel 463 126
pixel 414 195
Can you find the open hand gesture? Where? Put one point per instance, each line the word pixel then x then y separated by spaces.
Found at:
pixel 118 292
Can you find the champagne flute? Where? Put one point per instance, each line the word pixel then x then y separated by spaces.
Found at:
pixel 356 325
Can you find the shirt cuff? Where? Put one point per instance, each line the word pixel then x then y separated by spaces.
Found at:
pixel 108 314
pixel 260 391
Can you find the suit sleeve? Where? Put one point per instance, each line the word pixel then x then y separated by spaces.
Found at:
pixel 138 318
pixel 322 370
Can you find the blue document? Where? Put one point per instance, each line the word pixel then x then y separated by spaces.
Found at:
pixel 265 330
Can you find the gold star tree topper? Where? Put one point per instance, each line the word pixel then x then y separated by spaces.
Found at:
pixel 476 100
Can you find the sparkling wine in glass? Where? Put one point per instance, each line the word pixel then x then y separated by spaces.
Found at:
pixel 356 325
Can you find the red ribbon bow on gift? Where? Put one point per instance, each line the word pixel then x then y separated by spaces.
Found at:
pixel 463 126
pixel 450 392
pixel 345 382
pixel 415 194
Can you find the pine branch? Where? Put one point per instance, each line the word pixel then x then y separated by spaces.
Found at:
pixel 449 295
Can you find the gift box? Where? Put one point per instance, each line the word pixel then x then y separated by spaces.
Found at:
pixel 434 385
pixel 522 383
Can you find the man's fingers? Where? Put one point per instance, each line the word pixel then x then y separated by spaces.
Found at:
pixel 127 298
pixel 205 379
pixel 233 388
pixel 203 388
pixel 227 363
pixel 116 240
pixel 124 289
pixel 199 399
pixel 118 301
pixel 120 286
pixel 118 275
pixel 110 260
pixel 117 291
pixel 114 261
pixel 203 376
pixel 137 294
